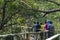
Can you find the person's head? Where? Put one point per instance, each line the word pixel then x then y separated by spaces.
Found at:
pixel 47 21
pixel 51 22
pixel 34 22
pixel 37 22
pixel 40 23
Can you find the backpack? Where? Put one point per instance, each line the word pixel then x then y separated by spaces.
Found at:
pixel 50 27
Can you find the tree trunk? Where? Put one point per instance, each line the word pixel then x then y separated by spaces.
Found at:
pixel 3 15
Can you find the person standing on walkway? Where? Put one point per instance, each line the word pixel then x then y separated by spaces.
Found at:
pixel 46 29
pixel 37 30
pixel 49 26
pixel 34 30
pixel 51 29
pixel 41 29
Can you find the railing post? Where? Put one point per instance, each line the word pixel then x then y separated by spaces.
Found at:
pixel 1 38
pixel 20 37
pixel 59 37
pixel 27 36
pixel 24 36
pixel 9 38
pixel 36 36
pixel 15 38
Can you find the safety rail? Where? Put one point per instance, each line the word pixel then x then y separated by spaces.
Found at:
pixel 55 37
pixel 20 36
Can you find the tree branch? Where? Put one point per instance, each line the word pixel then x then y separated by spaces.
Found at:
pixel 26 4
pixel 3 15
pixel 9 0
pixel 53 2
pixel 43 11
pixel 46 11
pixel 10 17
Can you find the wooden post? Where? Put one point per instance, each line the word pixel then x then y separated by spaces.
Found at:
pixel 15 38
pixel 27 36
pixel 1 38
pixel 9 38
pixel 37 36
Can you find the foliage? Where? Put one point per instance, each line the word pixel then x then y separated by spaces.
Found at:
pixel 17 13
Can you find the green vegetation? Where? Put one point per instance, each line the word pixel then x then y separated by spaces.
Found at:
pixel 17 13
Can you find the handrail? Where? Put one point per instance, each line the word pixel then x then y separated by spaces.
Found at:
pixel 18 34
pixel 21 33
pixel 25 35
pixel 55 36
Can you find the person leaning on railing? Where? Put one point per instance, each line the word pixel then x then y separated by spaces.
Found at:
pixel 34 29
pixel 41 29
pixel 49 26
pixel 46 29
pixel 51 29
pixel 37 30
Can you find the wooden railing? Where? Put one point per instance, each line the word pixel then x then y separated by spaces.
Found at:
pixel 55 37
pixel 21 36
